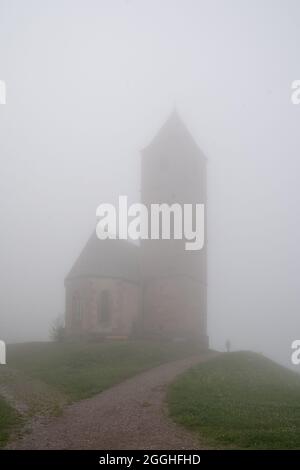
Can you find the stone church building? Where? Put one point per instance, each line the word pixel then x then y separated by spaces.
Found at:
pixel 157 289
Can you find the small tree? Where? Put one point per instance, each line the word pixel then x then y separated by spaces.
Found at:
pixel 57 329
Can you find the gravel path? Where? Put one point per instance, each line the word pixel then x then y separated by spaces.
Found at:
pixel 131 415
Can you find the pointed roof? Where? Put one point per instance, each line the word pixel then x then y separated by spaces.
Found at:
pixel 107 258
pixel 174 133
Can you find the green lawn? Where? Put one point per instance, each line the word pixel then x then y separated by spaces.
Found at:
pixel 43 377
pixel 240 400
pixel 80 370
pixel 9 420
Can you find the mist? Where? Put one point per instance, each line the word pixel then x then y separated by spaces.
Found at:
pixel 89 84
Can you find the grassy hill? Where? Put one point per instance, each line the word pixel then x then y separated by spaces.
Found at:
pixel 9 420
pixel 41 378
pixel 239 399
pixel 80 370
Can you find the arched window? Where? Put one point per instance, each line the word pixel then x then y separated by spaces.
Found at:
pixel 76 308
pixel 103 308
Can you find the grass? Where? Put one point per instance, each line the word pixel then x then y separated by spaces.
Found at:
pixel 239 400
pixel 80 370
pixel 46 376
pixel 9 420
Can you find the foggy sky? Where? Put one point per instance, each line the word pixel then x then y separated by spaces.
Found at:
pixel 89 83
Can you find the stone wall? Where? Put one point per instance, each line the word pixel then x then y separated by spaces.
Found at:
pixel 83 306
pixel 175 308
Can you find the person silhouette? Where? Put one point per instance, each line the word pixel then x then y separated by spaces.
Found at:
pixel 227 345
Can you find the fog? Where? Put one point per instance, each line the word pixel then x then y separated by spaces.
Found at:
pixel 89 84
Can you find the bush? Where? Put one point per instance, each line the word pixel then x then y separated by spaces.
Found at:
pixel 57 330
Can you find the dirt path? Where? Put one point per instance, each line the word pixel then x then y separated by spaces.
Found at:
pixel 131 415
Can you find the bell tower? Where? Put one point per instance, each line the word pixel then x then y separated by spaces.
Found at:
pixel 174 279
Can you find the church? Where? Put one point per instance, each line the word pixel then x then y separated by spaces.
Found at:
pixel 157 289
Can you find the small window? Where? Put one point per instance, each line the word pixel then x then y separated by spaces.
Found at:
pixel 103 308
